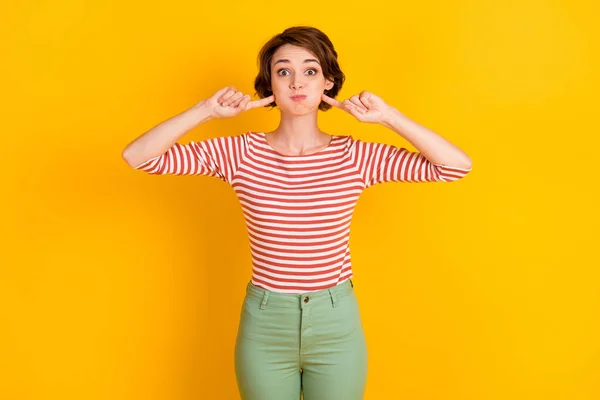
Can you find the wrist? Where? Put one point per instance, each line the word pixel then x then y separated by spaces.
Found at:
pixel 390 117
pixel 201 112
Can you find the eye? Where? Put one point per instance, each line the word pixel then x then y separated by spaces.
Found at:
pixel 280 72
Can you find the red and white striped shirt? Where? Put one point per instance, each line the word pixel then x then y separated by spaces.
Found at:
pixel 298 208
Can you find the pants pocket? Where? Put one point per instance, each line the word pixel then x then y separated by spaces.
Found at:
pixel 331 324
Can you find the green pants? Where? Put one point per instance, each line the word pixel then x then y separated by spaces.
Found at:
pixel 312 343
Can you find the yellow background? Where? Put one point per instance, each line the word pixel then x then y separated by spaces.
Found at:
pixel 115 284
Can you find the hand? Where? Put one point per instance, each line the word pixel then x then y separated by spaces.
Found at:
pixel 365 107
pixel 229 102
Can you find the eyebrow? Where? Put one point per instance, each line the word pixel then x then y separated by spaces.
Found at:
pixel 284 60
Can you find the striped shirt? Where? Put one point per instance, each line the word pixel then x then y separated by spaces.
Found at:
pixel 298 209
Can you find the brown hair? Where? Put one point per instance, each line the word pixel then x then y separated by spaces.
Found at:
pixel 312 40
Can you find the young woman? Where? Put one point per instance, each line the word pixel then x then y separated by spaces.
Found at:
pixel 300 328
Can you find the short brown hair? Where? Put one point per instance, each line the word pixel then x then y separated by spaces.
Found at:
pixel 313 40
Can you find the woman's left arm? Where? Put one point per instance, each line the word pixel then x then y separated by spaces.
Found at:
pixel 433 146
pixel 367 107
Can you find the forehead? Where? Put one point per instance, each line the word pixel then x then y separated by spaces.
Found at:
pixel 292 53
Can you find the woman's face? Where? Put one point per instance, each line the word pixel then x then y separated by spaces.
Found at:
pixel 297 72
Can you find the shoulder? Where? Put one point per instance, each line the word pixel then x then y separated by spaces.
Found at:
pixel 368 148
pixel 356 142
pixel 353 144
pixel 239 139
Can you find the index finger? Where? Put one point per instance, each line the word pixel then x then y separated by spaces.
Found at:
pixel 332 101
pixel 261 102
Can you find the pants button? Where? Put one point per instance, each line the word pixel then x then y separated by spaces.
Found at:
pixel 306 299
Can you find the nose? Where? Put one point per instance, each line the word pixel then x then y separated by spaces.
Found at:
pixel 296 84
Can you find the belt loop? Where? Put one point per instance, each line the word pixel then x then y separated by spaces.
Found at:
pixel 264 300
pixel 333 297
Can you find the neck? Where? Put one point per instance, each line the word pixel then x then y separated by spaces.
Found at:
pixel 298 133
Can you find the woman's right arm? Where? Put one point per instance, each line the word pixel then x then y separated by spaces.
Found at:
pixel 227 102
pixel 164 135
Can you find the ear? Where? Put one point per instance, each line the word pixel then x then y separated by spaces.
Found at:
pixel 328 84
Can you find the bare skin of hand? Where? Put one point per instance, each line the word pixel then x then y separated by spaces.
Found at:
pixel 229 102
pixel 365 106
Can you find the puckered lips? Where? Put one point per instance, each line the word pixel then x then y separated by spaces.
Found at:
pixel 298 97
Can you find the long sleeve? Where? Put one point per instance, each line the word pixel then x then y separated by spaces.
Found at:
pixel 218 157
pixel 379 163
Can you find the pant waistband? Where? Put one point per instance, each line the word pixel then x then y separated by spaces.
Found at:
pixel 299 300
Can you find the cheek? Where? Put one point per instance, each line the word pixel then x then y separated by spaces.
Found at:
pixel 278 86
